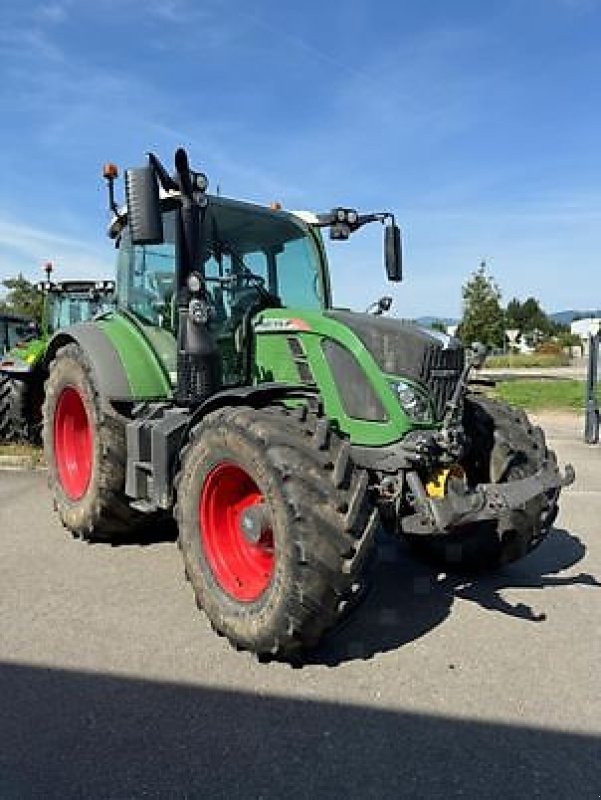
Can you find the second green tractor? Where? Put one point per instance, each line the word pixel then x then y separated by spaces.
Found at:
pixel 23 367
pixel 226 389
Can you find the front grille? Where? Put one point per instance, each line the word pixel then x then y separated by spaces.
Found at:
pixel 441 369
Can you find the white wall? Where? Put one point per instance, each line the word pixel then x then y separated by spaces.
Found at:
pixel 582 327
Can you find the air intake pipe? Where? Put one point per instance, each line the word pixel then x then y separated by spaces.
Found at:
pixel 198 358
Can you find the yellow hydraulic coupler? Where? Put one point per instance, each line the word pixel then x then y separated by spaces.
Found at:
pixel 439 480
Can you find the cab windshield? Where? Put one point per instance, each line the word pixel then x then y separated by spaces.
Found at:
pixel 246 249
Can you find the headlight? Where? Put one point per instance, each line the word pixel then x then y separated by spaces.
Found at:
pixel 415 404
pixel 195 282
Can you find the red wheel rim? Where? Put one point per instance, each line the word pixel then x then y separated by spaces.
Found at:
pixel 242 569
pixel 72 443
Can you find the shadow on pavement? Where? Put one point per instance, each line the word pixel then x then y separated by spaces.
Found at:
pixel 408 598
pixel 79 735
pixel 559 551
pixel 149 532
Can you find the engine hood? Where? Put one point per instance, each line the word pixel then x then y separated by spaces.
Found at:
pixel 404 349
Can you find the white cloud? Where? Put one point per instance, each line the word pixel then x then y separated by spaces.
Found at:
pixel 25 249
pixel 52 13
pixel 28 44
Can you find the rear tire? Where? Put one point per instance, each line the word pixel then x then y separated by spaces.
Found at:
pixel 504 446
pixel 14 424
pixel 85 449
pixel 318 531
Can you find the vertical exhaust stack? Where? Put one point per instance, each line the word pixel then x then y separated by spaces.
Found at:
pixel 198 359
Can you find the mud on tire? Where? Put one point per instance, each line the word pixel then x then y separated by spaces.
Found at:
pixel 14 425
pixel 103 510
pixel 322 522
pixel 503 446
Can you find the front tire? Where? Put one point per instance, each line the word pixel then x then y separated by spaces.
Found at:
pixel 275 589
pixel 504 446
pixel 85 449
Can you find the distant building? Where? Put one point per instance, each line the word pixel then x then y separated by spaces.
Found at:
pixel 584 327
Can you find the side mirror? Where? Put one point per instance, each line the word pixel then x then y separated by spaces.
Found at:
pixel 143 206
pixel 393 254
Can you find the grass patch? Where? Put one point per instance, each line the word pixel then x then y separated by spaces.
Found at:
pixel 519 360
pixel 536 395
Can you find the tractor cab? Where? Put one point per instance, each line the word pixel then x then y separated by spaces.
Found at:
pixel 204 267
pixel 246 250
pixel 251 257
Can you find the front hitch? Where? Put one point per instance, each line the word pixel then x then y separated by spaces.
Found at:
pixel 460 506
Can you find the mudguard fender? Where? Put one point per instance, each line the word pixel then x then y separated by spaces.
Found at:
pixel 111 376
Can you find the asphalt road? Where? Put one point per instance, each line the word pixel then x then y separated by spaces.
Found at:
pixel 113 685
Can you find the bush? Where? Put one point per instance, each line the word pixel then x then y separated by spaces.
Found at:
pixel 549 348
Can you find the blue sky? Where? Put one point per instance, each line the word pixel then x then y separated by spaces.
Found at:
pixel 478 123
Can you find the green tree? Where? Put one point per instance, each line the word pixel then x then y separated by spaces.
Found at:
pixel 530 319
pixel 438 325
pixel 22 297
pixel 483 318
pixel 514 317
pixel 568 339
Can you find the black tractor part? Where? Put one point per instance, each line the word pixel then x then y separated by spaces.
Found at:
pixel 85 449
pixel 275 526
pixel 14 410
pixel 503 447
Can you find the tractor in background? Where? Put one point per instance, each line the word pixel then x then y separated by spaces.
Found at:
pixel 14 328
pixel 227 390
pixel 22 367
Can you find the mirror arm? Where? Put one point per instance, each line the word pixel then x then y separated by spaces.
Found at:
pixel 380 216
pixel 329 218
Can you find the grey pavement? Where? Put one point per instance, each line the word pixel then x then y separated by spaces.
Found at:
pixel 575 372
pixel 112 684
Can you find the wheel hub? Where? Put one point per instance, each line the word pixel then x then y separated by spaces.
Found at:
pixel 255 523
pixel 73 443
pixel 236 533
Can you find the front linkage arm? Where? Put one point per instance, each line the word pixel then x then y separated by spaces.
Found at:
pixel 442 516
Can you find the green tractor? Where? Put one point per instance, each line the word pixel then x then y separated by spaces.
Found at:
pixel 226 390
pixel 23 366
